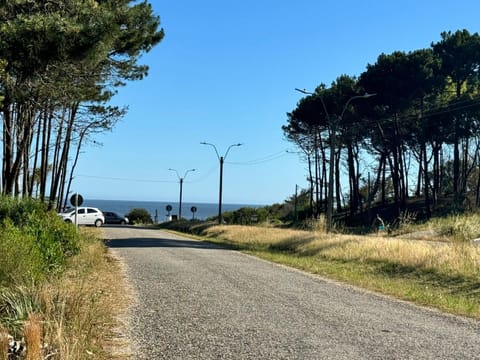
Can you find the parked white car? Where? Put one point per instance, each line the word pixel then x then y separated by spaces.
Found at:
pixel 85 216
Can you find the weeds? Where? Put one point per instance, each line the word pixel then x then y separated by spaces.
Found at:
pixel 15 306
pixel 460 228
pixel 59 290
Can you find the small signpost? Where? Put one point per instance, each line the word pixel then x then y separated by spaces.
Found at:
pixel 193 209
pixel 168 208
pixel 76 200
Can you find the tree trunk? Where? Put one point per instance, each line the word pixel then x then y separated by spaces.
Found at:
pixel 426 183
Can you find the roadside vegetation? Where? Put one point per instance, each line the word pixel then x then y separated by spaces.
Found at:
pixel 58 294
pixel 139 216
pixel 433 264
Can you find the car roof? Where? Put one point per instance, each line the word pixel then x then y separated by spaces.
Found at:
pixel 69 209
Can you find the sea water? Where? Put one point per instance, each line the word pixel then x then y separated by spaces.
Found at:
pixel 158 209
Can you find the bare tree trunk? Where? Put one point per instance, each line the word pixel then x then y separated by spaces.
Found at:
pixel 63 160
pixel 338 190
pixel 56 168
pixel 33 177
pixel 317 169
pixel 8 130
pixel 45 166
pixel 425 176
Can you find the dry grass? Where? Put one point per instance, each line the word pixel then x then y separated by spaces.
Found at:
pixel 76 316
pixel 33 337
pixel 457 257
pixel 445 275
pixel 82 308
pixel 3 344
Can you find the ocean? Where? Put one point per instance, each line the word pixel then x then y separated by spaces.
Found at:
pixel 159 208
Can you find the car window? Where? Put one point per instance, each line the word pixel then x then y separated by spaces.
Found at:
pixel 92 211
pixel 81 211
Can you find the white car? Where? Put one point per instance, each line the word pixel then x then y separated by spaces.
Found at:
pixel 85 216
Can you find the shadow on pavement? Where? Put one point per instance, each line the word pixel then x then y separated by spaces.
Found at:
pixel 160 243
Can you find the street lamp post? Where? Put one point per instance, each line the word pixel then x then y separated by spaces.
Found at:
pixel 221 160
pixel 333 128
pixel 181 187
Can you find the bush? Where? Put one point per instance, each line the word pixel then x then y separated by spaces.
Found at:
pixel 459 227
pixel 56 239
pixel 139 216
pixel 33 242
pixel 19 211
pixel 21 261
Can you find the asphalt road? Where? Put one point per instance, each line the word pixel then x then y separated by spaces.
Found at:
pixel 199 301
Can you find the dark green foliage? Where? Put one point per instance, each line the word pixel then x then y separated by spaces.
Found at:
pixel 139 216
pixel 272 214
pixel 21 261
pixel 244 216
pixel 33 242
pixel 426 105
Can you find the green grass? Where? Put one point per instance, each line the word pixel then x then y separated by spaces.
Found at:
pixel 454 294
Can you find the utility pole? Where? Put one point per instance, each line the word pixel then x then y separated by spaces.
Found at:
pixel 369 201
pixel 296 203
pixel 181 190
pixel 221 160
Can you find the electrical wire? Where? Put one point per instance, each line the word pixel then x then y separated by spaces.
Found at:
pixel 262 160
pixel 126 179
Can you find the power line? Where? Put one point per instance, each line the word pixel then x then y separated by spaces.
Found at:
pixel 262 160
pixel 125 179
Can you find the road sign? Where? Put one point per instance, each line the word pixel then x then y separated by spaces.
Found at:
pixel 76 200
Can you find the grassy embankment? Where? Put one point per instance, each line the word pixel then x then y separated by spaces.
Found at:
pixel 59 289
pixel 440 270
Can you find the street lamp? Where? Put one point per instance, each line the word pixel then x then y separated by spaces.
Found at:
pixel 332 127
pixel 221 159
pixel 181 186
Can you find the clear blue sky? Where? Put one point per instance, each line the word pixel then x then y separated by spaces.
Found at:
pixel 225 73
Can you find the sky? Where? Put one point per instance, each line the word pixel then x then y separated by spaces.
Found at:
pixel 225 73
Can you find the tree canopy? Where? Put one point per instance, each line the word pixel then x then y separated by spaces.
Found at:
pixel 419 134
pixel 60 64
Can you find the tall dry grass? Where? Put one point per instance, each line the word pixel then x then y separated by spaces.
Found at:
pixel 3 344
pixel 33 337
pixel 72 316
pixel 81 308
pixel 452 257
pixel 459 228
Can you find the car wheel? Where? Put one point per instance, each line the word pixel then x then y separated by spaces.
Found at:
pixel 68 220
pixel 98 223
pixel 122 222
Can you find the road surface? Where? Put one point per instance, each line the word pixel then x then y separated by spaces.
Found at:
pixel 199 301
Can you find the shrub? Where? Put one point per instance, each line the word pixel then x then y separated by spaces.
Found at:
pixel 33 242
pixel 139 216
pixel 21 261
pixel 19 211
pixel 461 228
pixel 56 239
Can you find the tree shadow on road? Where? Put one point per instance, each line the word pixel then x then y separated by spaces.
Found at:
pixel 143 242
